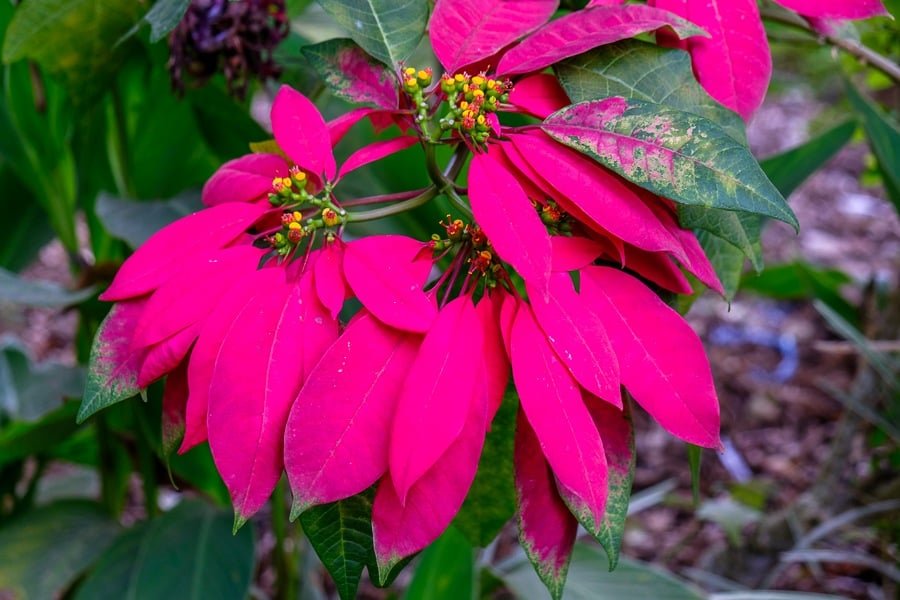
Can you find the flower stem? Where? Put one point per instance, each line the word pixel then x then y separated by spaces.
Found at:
pixel 386 211
pixel 383 198
pixel 283 557
pixel 863 53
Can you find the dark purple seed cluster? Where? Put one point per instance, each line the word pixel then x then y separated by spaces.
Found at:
pixel 235 37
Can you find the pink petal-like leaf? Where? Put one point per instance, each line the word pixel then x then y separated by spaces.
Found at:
pixel 402 529
pixel 256 377
pixel 301 132
pixel 546 527
pixel 114 364
pixel 594 3
pixel 603 197
pixel 503 210
pixel 585 29
pixel 339 126
pixel 553 403
pixel 336 444
pixel 573 253
pixel 662 360
pixel 174 401
pixel 387 279
pixel 164 253
pixel 164 356
pixel 467 31
pixel 496 361
pixel 618 443
pixel 696 261
pixel 434 402
pixel 539 95
pixel 508 309
pixel 658 268
pixel 245 179
pixel 352 74
pixel 190 295
pixel 578 337
pixel 836 9
pixel 734 64
pixel 331 287
pixel 209 341
pixel 376 151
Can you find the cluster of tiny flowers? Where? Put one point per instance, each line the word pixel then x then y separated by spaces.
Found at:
pixel 470 100
pixel 293 194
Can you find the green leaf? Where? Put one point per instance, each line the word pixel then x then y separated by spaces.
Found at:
pixel 695 457
pixel 802 281
pixel 225 124
pixel 589 579
pixel 446 570
pixel 636 69
pixel 740 229
pixel 28 391
pixel 135 221
pixel 23 438
pixel 351 74
pixel 164 17
pixel 32 292
pixel 884 138
pixel 75 40
pixel 791 168
pixel 726 259
pixel 23 229
pixel 187 553
pixel 673 153
pixel 42 552
pixel 491 501
pixel 389 30
pixel 341 534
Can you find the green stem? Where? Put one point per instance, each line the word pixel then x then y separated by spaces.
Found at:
pixel 393 209
pixel 118 147
pixel 108 488
pixel 862 53
pixel 284 559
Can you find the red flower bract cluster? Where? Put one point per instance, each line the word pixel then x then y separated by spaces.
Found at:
pixel 550 283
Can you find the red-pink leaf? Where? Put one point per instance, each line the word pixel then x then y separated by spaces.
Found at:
pixel 594 3
pixel 508 308
pixel 245 179
pixel 256 377
pixel 502 209
pixel 329 277
pixel 402 529
pixel 376 151
pixel 539 95
pixel 336 444
pixel 301 132
pixel 836 9
pixel 190 295
pixel 162 357
pixel 578 337
pixel 388 280
pixel 114 364
pixel 164 253
pixel 209 341
pixel 434 402
pixel 658 268
pixel 604 198
pixel 585 29
pixel 546 527
pixel 662 360
pixel 734 64
pixel 173 408
pixel 352 74
pixel 573 253
pixel 553 403
pixel 696 261
pixel 467 31
pixel 339 126
pixel 496 362
pixel 618 443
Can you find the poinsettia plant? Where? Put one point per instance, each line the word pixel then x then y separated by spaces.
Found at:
pixel 592 168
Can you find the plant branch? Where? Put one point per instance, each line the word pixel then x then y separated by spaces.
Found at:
pixel 386 211
pixel 852 47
